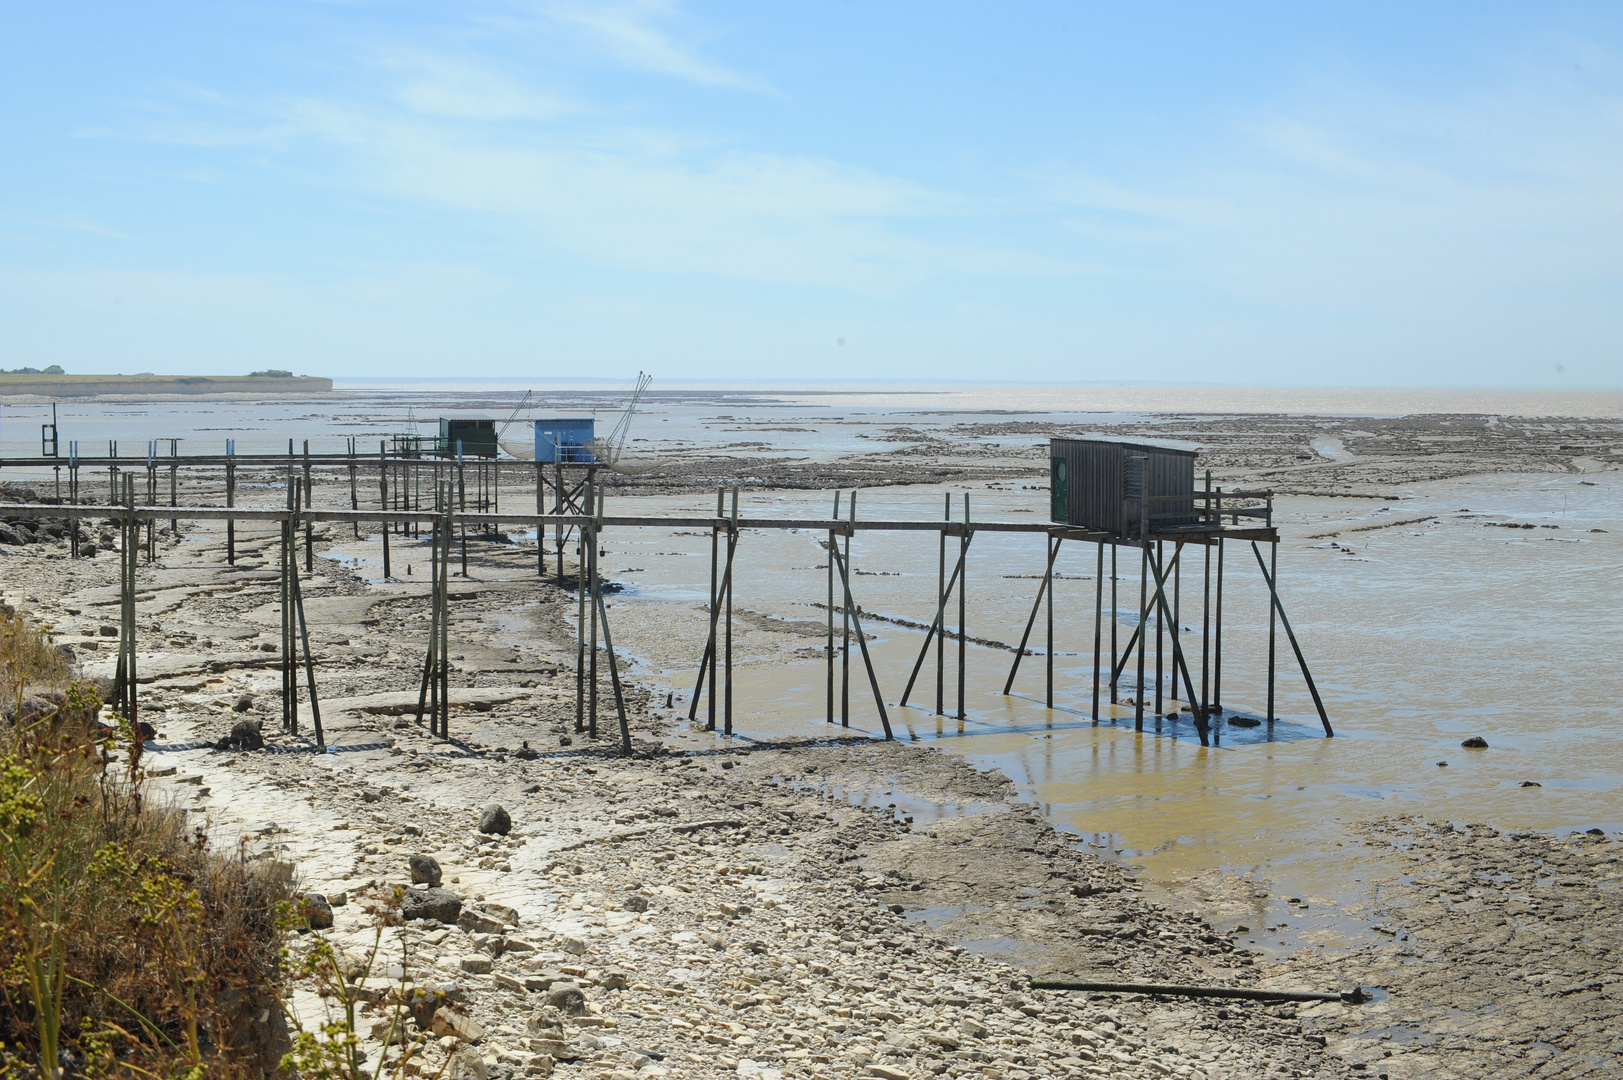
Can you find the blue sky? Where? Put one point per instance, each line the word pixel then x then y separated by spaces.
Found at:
pixel 1338 194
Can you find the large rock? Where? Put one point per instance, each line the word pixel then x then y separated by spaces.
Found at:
pixel 244 735
pixel 493 819
pixel 568 998
pixel 425 870
pixel 1475 742
pixel 316 910
pixel 434 904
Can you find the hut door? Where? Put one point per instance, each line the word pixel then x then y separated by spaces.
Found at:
pixel 1058 504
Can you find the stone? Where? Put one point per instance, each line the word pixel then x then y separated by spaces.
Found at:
pixel 466 1065
pixel 436 904
pixel 572 945
pixel 494 820
pixel 1475 742
pixel 508 915
pixel 634 902
pixel 316 910
pixel 425 870
pixel 1530 783
pixel 244 703
pixel 108 631
pixel 457 1025
pixel 244 735
pixel 477 922
pixel 568 998
pixel 475 964
pixel 887 1072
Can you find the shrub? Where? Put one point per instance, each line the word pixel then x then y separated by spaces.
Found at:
pixel 128 946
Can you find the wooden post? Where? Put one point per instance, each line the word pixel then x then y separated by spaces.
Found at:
pixel 1273 576
pixel 1177 613
pixel 862 642
pixel 580 629
pixel 309 661
pixel 1159 629
pixel 1179 664
pixel 943 588
pixel 309 526
pixel 1217 633
pixel 1098 629
pixel 1143 595
pixel 828 646
pixel 1114 607
pixel 1307 676
pixel 845 622
pixel 383 503
pixel 462 505
pixel 592 585
pixel 937 633
pixel 447 530
pixel 354 488
pixel 540 527
pixel 732 547
pixel 430 658
pixel 963 610
pixel 230 500
pixel 715 604
pixel 174 484
pixel 1052 544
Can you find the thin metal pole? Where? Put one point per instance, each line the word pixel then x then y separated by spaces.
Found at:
pixel 963 609
pixel 1217 635
pixel 828 648
pixel 1098 629
pixel 1049 649
pixel 732 547
pixel 1307 676
pixel 1036 606
pixel 1114 607
pixel 383 503
pixel 937 634
pixel 943 589
pixel 845 622
pixel 862 642
pixel 1177 613
pixel 592 584
pixel 1206 605
pixel 1143 600
pixel 1272 576
pixel 715 605
pixel 1160 670
pixel 580 630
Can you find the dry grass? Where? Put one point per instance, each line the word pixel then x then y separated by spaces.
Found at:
pixel 127 946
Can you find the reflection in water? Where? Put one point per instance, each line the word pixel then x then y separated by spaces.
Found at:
pixel 1449 629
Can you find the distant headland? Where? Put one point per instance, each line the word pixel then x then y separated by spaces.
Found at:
pixel 54 382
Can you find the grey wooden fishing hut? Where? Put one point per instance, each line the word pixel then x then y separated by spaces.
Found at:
pixel 1145 495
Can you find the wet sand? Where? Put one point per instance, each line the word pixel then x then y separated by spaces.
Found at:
pixel 1001 902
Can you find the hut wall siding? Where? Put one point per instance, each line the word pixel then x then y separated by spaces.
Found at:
pixel 1097 483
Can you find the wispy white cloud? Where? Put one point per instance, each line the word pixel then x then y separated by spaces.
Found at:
pixel 454 87
pixel 635 35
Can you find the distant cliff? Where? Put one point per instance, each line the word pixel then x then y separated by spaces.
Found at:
pixel 60 386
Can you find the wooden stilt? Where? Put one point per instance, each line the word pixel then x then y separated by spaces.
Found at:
pixel 592 585
pixel 1301 661
pixel 383 504
pixel 963 609
pixel 732 548
pixel 1160 627
pixel 862 642
pixel 936 633
pixel 715 607
pixel 1178 662
pixel 1274 576
pixel 846 615
pixel 943 590
pixel 1036 606
pixel 828 646
pixel 1098 629
pixel 1114 608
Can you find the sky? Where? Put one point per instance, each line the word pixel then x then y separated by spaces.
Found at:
pixel 1336 194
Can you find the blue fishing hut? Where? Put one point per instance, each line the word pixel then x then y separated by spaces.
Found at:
pixel 565 441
